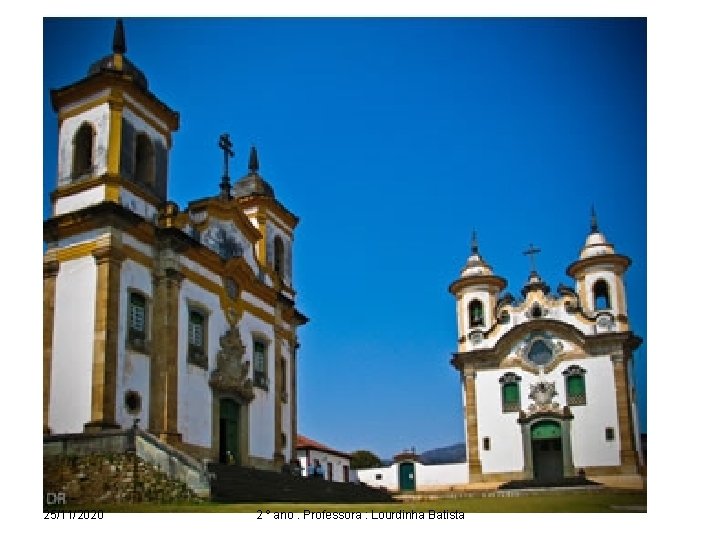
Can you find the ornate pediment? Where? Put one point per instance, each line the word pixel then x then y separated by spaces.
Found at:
pixel 231 373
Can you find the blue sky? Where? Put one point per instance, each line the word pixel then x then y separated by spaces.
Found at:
pixel 393 139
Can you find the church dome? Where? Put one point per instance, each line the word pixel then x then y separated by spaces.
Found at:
pixel 124 66
pixel 596 243
pixel 128 69
pixel 475 265
pixel 252 183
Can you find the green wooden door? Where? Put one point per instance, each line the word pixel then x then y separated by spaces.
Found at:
pixel 229 431
pixel 407 477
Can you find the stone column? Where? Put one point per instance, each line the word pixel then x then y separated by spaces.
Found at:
pixel 628 452
pixel 108 259
pixel 51 267
pixel 568 467
pixel 293 399
pixel 164 360
pixel 278 456
pixel 474 463
pixel 528 469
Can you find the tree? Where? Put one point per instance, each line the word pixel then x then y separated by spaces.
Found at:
pixel 364 459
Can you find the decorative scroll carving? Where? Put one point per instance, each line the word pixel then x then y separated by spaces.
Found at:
pixel 542 393
pixel 231 373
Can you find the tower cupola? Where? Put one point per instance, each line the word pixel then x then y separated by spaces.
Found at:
pixel 598 275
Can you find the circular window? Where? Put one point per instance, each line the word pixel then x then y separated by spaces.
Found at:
pixel 133 402
pixel 540 352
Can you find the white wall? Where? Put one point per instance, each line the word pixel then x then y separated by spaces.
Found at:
pixel 588 427
pixel 133 367
pixel 74 326
pixel 384 477
pixel 138 205
pixel 506 453
pixel 99 118
pixel 441 475
pixel 194 392
pixel 88 197
pixel 338 462
pixel 262 408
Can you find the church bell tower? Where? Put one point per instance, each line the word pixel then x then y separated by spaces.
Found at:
pixel 114 138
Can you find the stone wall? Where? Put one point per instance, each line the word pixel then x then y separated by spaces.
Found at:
pixel 120 466
pixel 110 478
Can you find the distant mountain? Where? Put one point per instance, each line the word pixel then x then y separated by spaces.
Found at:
pixel 447 454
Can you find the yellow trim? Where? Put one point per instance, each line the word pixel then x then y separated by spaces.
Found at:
pixel 112 193
pixel 76 251
pixel 115 142
pixel 84 107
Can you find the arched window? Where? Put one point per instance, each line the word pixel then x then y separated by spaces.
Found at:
pixel 575 385
pixel 510 392
pixel 477 313
pixel 144 160
pixel 601 294
pixel 279 255
pixel 82 150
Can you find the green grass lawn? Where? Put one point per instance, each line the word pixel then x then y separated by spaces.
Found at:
pixel 605 501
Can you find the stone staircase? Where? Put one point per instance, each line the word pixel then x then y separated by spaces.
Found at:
pixel 233 483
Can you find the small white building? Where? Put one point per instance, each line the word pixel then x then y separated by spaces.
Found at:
pixel 316 459
pixel 408 473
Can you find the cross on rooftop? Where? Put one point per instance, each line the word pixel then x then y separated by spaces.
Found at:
pixel 226 147
pixel 531 252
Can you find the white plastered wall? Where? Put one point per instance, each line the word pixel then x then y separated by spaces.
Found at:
pixel 138 205
pixel 262 408
pixel 338 462
pixel 133 367
pixel 506 452
pixel 385 477
pixel 194 392
pixel 88 197
pixel 73 331
pixel 587 429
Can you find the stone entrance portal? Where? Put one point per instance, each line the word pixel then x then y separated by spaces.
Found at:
pixel 547 451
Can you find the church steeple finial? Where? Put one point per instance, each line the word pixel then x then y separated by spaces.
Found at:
pixel 474 243
pixel 593 220
pixel 119 38
pixel 253 163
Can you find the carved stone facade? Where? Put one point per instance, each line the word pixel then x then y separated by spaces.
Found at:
pixel 232 373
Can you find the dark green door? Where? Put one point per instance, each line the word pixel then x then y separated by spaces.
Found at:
pixel 407 477
pixel 547 451
pixel 229 431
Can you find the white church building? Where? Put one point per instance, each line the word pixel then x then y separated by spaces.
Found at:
pixel 547 384
pixel 181 320
pixel 546 380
